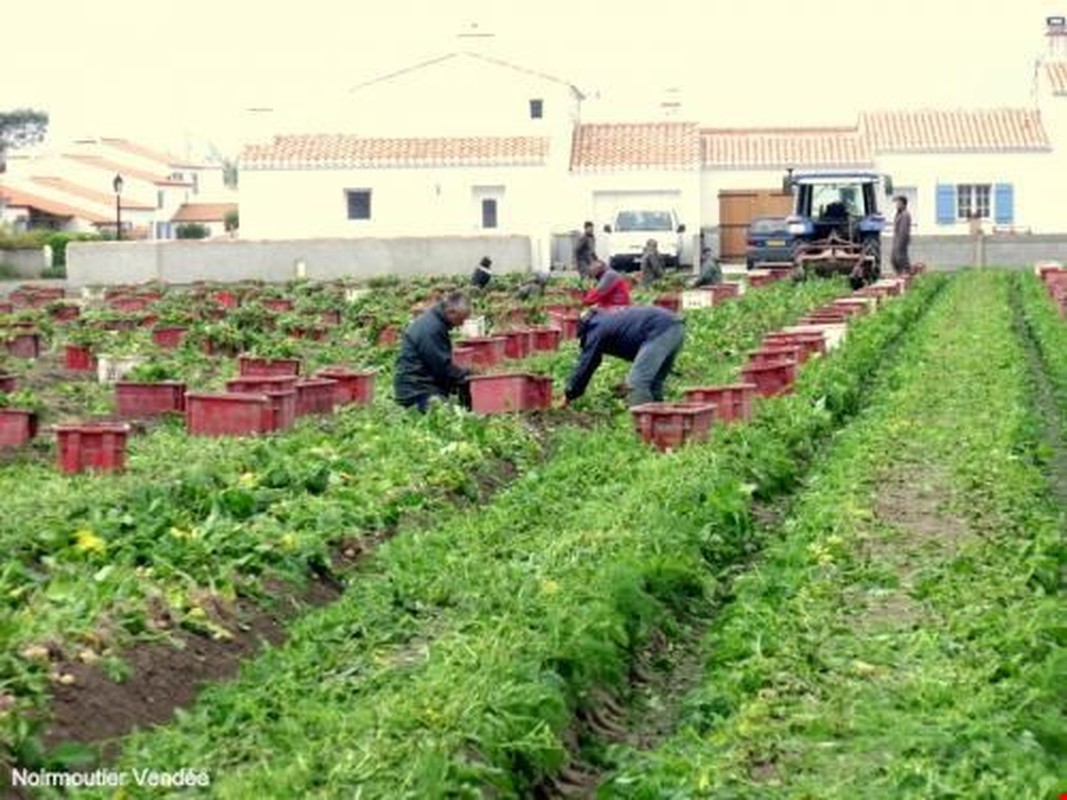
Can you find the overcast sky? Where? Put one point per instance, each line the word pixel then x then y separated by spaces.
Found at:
pixel 166 70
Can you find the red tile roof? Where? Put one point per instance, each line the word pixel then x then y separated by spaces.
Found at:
pixel 1057 75
pixel 126 146
pixel 643 145
pixel 339 151
pixel 126 170
pixel 22 199
pixel 203 212
pixel 84 193
pixel 948 131
pixel 778 148
pixel 450 56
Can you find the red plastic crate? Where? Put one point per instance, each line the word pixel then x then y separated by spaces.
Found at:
pixel 282 405
pixel 169 337
pixel 79 358
pixel 854 306
pixel 259 384
pixel 8 382
pixel 519 344
pixel 766 355
pixel 545 339
pixel 567 323
pixel 279 304
pixel 118 324
pixel 24 345
pixel 315 396
pixel 65 313
pixel 773 378
pixel 226 299
pixel 670 425
pixel 6 308
pixel 733 402
pixel 138 399
pixel 813 343
pixel 463 357
pixel 388 335
pixel 228 414
pixel 488 351
pixel 761 280
pixel 353 387
pixel 92 446
pixel 17 426
pixel 671 302
pixel 128 305
pixel 516 391
pixel 251 365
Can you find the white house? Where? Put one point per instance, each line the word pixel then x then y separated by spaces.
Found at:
pixel 467 143
pixel 80 177
pixel 502 136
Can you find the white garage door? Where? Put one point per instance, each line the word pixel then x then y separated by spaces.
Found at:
pixel 605 204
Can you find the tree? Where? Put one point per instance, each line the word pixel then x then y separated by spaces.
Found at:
pixel 229 173
pixel 19 128
pixel 192 230
pixel 232 221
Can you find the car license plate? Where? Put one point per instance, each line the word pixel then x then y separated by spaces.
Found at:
pixel 776 243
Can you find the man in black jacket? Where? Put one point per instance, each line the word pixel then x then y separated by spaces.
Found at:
pixel 649 336
pixel 424 368
pixel 585 250
pixel 483 273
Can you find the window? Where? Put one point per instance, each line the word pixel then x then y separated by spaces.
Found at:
pixel 489 212
pixel 643 221
pixel 196 183
pixel 358 203
pixel 972 199
pixel 537 109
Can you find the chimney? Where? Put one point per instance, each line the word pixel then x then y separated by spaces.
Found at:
pixel 1056 33
pixel 473 39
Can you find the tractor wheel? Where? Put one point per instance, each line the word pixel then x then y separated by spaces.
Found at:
pixel 872 248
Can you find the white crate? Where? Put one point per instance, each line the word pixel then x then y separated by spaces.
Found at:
pixel 872 302
pixel 697 298
pixel 111 369
pixel 832 333
pixel 473 327
pixel 740 286
pixel 352 295
pixel 1040 265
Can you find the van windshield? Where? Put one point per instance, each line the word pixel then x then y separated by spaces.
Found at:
pixel 643 221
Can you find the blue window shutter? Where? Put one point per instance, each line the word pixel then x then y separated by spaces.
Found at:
pixel 946 204
pixel 1004 196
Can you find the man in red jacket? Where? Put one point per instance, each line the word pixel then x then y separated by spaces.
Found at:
pixel 612 290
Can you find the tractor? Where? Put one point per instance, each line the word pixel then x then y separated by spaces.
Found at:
pixel 836 225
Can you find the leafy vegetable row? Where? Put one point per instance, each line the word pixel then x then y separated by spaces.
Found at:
pixel 905 637
pixel 458 659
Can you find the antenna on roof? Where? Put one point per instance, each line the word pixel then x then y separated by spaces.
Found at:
pixel 473 32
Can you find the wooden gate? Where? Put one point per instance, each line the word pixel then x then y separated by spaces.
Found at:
pixel 737 208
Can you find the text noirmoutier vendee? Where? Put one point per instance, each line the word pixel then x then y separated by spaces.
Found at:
pixel 183 778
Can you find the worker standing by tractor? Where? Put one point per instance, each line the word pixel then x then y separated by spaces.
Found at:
pixel 649 336
pixel 901 237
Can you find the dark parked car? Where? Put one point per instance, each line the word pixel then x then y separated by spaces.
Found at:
pixel 769 240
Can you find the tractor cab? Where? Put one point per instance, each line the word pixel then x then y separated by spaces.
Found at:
pixel 837 222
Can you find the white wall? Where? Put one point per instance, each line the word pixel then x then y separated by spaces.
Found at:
pixel 289 204
pixel 1035 178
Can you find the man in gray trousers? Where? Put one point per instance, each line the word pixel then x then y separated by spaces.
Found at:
pixel 649 336
pixel 901 237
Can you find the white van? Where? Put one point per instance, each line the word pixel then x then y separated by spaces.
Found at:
pixel 632 229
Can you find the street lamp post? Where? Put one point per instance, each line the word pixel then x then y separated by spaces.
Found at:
pixel 117 186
